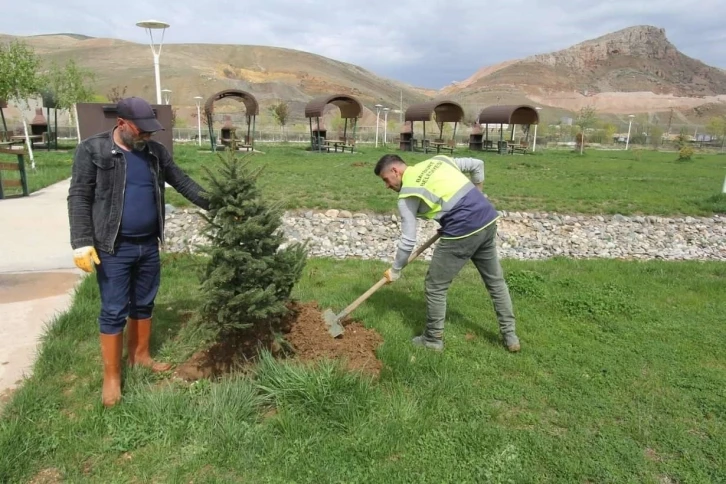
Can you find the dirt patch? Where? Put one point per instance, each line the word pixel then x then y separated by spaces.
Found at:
pixel 27 286
pixel 5 397
pixel 302 335
pixel 652 455
pixel 47 476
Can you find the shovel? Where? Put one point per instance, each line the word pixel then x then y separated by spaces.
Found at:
pixel 332 320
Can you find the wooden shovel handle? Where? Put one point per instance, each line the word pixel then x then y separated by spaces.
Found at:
pixel 383 280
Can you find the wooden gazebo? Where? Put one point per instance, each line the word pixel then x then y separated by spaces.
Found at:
pixel 252 109
pixel 510 114
pixel 444 111
pixel 350 109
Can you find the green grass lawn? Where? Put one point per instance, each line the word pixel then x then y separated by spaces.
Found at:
pixel 621 378
pixel 607 182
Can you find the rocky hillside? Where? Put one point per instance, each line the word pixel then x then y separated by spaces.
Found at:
pixel 634 68
pixel 189 70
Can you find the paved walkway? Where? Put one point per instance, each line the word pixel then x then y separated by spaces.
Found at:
pixel 37 275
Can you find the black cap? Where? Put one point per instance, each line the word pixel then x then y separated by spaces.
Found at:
pixel 140 113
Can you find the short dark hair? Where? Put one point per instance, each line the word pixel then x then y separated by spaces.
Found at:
pixel 385 162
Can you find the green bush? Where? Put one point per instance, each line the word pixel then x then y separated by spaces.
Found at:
pixel 685 153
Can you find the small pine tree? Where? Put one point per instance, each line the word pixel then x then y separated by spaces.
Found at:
pixel 248 277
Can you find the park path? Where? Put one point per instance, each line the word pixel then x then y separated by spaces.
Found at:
pixel 37 275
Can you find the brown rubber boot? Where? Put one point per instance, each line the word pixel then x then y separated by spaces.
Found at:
pixel 138 334
pixel 111 349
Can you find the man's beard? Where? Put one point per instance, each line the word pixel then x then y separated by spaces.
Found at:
pixel 129 141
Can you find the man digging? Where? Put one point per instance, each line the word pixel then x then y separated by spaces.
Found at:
pixel 438 189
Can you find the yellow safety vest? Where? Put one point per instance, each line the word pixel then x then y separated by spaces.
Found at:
pixel 438 182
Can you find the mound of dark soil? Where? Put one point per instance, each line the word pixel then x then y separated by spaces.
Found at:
pixel 302 335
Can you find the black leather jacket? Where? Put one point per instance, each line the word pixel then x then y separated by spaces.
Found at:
pixel 96 195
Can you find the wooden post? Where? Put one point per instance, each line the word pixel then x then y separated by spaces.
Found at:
pixel 252 139
pixel 210 128
pixel 47 118
pixel 355 125
pixel 320 145
pixel 423 140
pixel 312 145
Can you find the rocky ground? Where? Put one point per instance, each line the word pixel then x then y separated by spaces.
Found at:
pixel 522 235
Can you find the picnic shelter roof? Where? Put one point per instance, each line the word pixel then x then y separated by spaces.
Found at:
pixel 446 111
pixel 349 106
pixel 509 114
pixel 251 105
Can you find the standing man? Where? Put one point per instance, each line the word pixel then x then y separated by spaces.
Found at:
pixel 438 189
pixel 116 211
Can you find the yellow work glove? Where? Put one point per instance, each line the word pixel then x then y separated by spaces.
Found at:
pixel 392 275
pixel 84 257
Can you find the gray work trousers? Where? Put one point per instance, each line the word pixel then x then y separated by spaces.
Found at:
pixel 448 259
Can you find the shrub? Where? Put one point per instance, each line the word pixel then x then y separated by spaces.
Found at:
pixel 685 153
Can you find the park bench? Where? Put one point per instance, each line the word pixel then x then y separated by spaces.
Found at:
pixel 440 144
pixel 20 181
pixel 342 143
pixel 522 147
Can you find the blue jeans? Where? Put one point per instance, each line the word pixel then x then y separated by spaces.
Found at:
pixel 128 281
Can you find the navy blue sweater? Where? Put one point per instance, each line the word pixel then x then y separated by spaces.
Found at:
pixel 139 218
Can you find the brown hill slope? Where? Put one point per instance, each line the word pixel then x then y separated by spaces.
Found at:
pixel 188 70
pixel 634 69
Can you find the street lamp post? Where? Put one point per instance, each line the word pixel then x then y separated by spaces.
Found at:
pixel 385 126
pixel 150 25
pixel 630 123
pixel 378 112
pixel 198 101
pixel 534 143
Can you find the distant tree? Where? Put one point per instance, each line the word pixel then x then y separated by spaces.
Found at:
pixel 115 94
pixel 656 136
pixel 586 119
pixel 543 128
pixel 609 130
pixel 20 79
pixel 280 112
pixel 203 112
pixel 717 127
pixel 69 85
pixel 337 123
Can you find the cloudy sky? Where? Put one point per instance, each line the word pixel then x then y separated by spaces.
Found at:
pixel 422 42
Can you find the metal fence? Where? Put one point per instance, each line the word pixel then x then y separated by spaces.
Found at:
pixel 550 138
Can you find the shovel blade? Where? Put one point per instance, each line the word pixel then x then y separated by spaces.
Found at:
pixel 332 323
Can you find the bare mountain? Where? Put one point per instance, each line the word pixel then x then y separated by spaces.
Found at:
pixel 632 69
pixel 189 70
